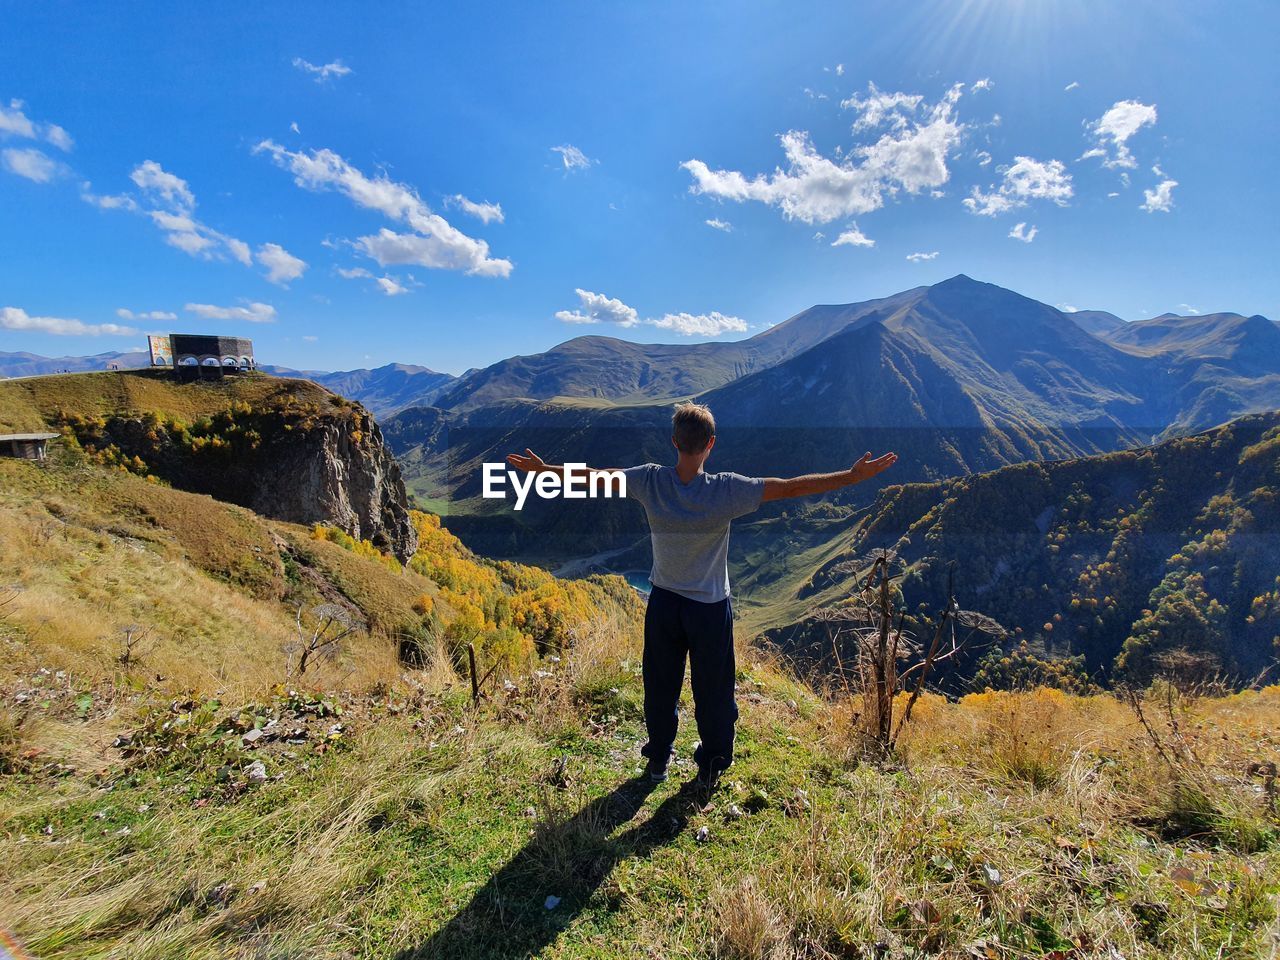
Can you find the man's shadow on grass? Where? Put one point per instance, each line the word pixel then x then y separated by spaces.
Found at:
pixel 568 858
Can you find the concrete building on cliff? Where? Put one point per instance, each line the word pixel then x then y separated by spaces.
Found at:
pixel 195 356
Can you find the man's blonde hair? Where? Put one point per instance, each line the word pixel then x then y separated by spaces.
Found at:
pixel 692 427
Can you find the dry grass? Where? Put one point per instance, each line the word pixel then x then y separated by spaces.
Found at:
pixel 203 583
pixel 746 925
pixel 32 403
pixel 417 831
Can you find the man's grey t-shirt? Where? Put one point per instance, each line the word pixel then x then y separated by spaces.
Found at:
pixel 689 526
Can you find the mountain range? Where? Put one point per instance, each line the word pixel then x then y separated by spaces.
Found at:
pixel 1102 485
pixel 957 378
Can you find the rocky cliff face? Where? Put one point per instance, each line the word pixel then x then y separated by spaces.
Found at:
pixel 304 455
pixel 340 472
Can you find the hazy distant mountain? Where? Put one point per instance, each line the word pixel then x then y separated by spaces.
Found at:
pixel 383 390
pixel 618 371
pixel 1098 322
pixel 1225 335
pixel 33 365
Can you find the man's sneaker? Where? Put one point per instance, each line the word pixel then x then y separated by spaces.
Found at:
pixel 656 773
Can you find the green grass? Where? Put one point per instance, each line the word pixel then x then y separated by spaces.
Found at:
pixel 428 829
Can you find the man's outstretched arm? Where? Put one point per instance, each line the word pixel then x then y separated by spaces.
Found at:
pixel 776 488
pixel 530 462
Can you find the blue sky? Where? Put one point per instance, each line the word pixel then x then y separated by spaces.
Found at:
pixel 352 185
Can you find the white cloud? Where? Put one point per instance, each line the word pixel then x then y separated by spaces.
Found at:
pixel 387 284
pixel 717 224
pixel 1111 132
pixel 390 287
pixel 988 204
pixel 240 250
pixel 597 308
pixel 1024 180
pixel 15 318
pixel 839 69
pixel 1159 200
pixel 1020 232
pixel 293 127
pixel 15 122
pixel 711 324
pixel 252 312
pixel 59 137
pixel 125 314
pixel 572 157
pixel 853 237
pixel 1071 86
pixel 983 158
pixel 324 72
pixel 448 249
pixel 30 163
pixel 310 338
pixel 119 201
pixel 282 266
pixel 1030 179
pixel 435 242
pixel 878 107
pixel 986 83
pixel 157 181
pixel 166 199
pixel 812 188
pixel 919 257
pixel 484 212
pixel 1189 308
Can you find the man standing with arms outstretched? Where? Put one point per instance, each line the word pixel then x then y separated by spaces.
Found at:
pixel 690 613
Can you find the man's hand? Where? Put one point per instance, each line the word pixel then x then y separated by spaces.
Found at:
pixel 529 463
pixel 866 468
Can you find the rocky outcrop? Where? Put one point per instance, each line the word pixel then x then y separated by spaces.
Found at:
pixel 337 471
pixel 306 456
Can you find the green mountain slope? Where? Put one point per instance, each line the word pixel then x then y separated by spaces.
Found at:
pixel 1122 558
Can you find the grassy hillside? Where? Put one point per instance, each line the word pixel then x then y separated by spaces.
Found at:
pixel 38 402
pixel 214 590
pixel 287 449
pixel 410 825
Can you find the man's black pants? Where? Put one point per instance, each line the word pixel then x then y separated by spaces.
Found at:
pixel 676 627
